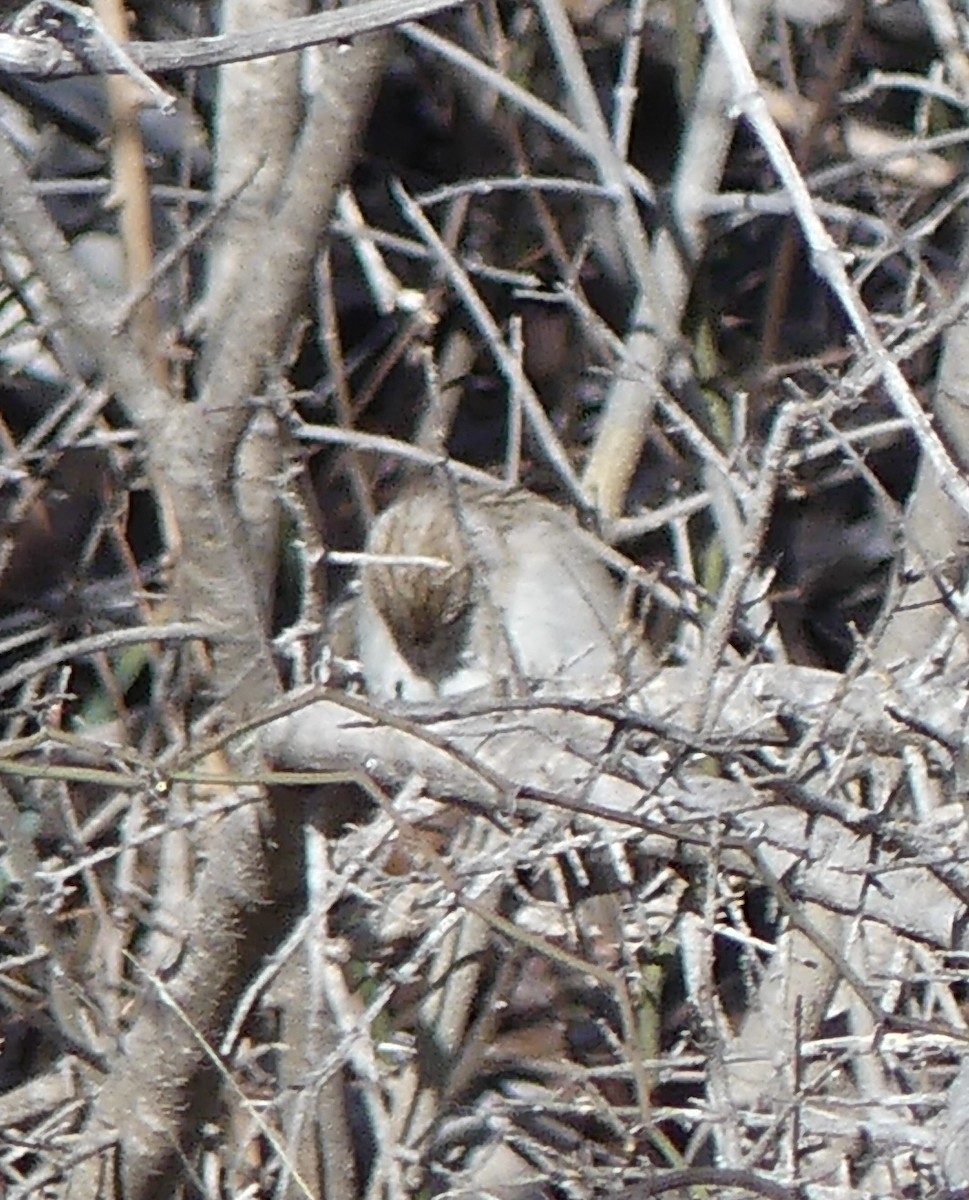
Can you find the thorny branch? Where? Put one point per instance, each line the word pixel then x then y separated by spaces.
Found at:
pixel 588 865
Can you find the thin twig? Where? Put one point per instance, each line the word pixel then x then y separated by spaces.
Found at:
pixel 825 256
pixel 46 58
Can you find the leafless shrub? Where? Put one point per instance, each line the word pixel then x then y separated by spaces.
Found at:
pixel 482 629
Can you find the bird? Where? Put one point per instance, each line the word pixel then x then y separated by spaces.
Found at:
pixel 503 592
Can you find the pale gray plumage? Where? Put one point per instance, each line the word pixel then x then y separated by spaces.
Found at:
pixel 526 600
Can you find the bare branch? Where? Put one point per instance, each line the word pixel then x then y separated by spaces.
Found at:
pixel 44 57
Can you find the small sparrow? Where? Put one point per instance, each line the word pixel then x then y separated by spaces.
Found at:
pixel 512 596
